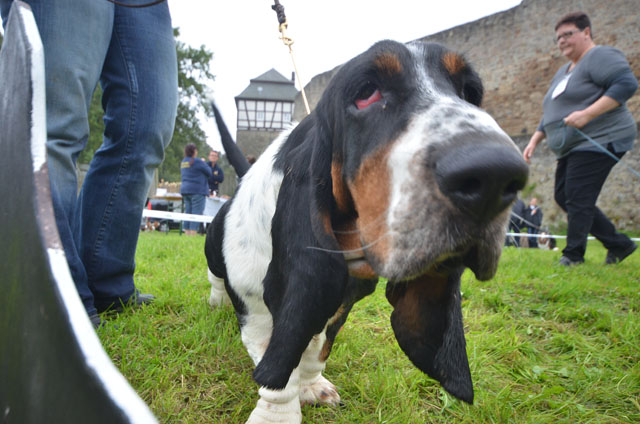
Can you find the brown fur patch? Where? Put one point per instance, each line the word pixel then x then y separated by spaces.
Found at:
pixel 371 193
pixel 326 223
pixel 328 343
pixel 361 269
pixel 347 235
pixel 388 64
pixel 326 351
pixel 408 300
pixel 453 62
pixel 340 191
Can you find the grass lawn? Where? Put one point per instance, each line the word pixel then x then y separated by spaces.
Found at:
pixel 546 344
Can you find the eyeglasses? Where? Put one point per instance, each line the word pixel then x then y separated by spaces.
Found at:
pixel 566 35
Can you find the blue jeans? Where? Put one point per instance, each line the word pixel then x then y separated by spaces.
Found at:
pixel 131 52
pixel 193 204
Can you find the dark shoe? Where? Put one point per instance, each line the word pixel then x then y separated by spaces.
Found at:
pixel 136 299
pixel 95 321
pixel 564 261
pixel 615 258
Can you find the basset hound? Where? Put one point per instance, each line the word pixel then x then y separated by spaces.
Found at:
pixel 397 174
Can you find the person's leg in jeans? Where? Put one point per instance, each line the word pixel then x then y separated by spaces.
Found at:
pixel 188 208
pixel 76 37
pixel 198 208
pixel 194 204
pixel 579 180
pixel 140 96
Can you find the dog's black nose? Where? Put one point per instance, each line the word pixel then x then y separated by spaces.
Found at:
pixel 482 180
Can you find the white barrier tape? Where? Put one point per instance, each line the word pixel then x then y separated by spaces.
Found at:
pixel 540 236
pixel 550 236
pixel 175 216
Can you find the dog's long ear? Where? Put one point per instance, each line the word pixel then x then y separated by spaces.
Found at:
pixel 331 205
pixel 427 322
pixel 321 171
pixel 321 199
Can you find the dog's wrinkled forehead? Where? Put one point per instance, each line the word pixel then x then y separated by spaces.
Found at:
pixel 444 73
pixel 372 98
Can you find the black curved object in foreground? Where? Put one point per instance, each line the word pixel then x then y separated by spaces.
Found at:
pixel 52 366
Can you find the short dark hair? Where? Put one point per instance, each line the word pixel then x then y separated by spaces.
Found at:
pixel 579 19
pixel 190 150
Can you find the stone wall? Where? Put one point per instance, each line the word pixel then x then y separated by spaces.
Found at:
pixel 253 143
pixel 313 91
pixel 514 53
pixel 516 57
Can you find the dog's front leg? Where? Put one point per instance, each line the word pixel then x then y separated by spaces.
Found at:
pixel 279 406
pixel 305 386
pixel 314 388
pixel 274 406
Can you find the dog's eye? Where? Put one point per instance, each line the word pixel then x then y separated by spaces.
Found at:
pixel 368 95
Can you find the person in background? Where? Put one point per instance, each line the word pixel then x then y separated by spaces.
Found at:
pixel 515 222
pixel 588 93
pixel 195 174
pixel 217 175
pixel 132 53
pixel 533 220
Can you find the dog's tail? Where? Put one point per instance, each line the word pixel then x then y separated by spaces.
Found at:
pixel 234 154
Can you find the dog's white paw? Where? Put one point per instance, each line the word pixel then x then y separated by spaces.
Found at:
pixel 272 417
pixel 320 391
pixel 276 406
pixel 218 294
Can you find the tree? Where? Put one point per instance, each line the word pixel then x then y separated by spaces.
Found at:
pixel 96 127
pixel 193 75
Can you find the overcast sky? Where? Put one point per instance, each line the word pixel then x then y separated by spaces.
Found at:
pixel 244 38
pixel 243 35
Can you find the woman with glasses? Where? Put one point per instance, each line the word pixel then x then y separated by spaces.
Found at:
pixel 587 97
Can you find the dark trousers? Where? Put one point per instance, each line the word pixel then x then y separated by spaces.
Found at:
pixel 513 228
pixel 579 179
pixel 533 241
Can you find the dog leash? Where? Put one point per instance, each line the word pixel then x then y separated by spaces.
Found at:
pixel 288 41
pixel 152 3
pixel 525 221
pixel 592 141
pixel 600 146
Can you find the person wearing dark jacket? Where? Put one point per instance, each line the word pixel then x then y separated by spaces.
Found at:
pixel 515 223
pixel 218 175
pixel 533 221
pixel 195 174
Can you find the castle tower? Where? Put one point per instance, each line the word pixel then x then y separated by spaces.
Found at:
pixel 265 108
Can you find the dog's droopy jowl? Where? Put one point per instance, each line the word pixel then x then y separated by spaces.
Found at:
pixel 398 174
